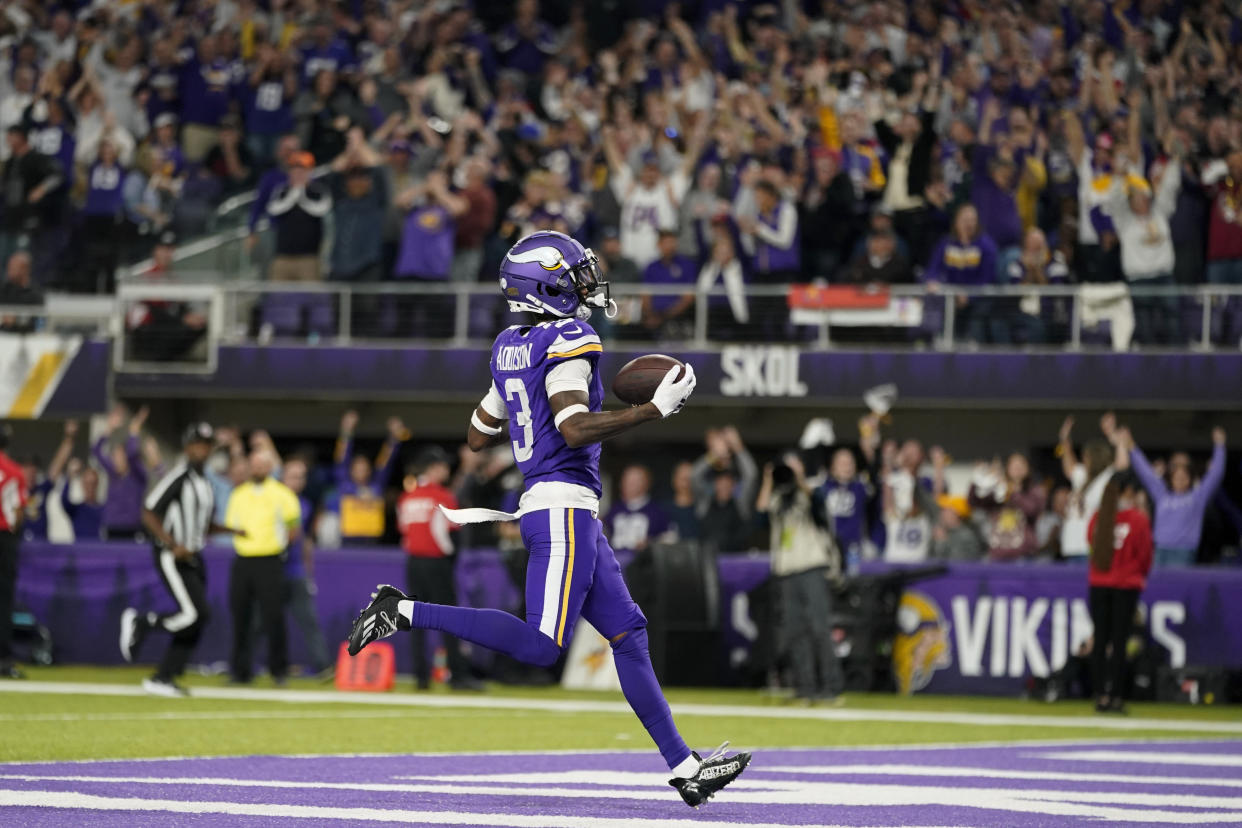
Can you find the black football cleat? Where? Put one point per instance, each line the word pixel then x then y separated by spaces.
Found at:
pixel 714 773
pixel 380 619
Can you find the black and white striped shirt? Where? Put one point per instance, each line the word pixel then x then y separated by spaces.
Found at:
pixel 184 502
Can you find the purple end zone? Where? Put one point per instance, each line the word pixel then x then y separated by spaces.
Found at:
pixel 1046 784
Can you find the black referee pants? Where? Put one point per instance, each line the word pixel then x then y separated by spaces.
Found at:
pixel 8 592
pixel 433 581
pixel 258 579
pixel 186 580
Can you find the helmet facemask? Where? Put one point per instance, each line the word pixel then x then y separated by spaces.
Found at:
pixel 591 288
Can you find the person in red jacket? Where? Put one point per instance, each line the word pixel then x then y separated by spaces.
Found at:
pixel 13 495
pixel 1121 556
pixel 430 570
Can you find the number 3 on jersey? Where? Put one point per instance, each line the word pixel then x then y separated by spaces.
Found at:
pixel 519 403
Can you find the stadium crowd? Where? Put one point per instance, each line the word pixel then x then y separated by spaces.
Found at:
pixel 700 143
pixel 876 498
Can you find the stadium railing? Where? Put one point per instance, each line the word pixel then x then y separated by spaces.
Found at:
pixel 944 317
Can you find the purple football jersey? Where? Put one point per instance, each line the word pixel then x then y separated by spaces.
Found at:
pixel 521 357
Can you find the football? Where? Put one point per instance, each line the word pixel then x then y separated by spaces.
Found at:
pixel 638 379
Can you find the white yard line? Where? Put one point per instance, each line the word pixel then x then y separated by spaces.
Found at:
pixel 921 746
pixel 950 772
pixel 569 706
pixel 79 801
pixel 1213 760
pixel 1158 808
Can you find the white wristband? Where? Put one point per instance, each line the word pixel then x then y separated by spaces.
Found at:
pixel 569 411
pixel 479 425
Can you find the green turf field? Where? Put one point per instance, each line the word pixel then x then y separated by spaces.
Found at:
pixel 38 726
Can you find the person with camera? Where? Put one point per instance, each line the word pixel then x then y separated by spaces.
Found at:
pixel 803 558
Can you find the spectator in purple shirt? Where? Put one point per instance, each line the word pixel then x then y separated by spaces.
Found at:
pixel 206 93
pixel 635 520
pixel 326 52
pixel 127 475
pixel 426 252
pixel 527 42
pixel 664 314
pixel 102 214
pixel 1035 319
pixel 1179 504
pixel 967 256
pixel 86 515
pixel 162 86
pixel 268 103
pixel 846 499
pixel 52 130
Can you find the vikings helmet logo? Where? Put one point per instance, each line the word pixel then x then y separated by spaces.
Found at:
pixel 922 643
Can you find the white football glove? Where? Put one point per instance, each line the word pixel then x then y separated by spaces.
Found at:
pixel 672 393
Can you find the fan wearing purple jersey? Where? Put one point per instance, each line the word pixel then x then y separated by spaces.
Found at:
pixel 546 388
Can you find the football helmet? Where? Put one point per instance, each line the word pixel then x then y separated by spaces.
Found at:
pixel 550 273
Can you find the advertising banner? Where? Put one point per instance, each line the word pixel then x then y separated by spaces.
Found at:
pixel 987 628
pixel 781 373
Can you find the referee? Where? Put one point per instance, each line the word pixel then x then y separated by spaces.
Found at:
pixel 267 515
pixel 178 516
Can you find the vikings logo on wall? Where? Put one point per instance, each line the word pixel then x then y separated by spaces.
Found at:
pixel 922 643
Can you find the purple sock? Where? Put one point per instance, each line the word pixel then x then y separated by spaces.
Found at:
pixel 489 628
pixel 642 691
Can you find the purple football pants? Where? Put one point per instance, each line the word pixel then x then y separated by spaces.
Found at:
pixel 572 573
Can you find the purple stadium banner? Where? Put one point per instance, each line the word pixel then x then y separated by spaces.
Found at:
pixel 977 629
pixel 737 373
pixel 986 628
pixel 80 590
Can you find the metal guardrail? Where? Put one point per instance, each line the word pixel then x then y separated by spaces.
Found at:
pixel 936 317
pixel 932 316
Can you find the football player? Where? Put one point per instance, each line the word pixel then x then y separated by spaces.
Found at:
pixel 547 390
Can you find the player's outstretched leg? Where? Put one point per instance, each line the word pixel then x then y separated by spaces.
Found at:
pixel 391 610
pixel 611 610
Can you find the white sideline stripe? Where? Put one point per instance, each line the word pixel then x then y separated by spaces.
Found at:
pixel 1107 805
pixel 1216 728
pixel 61 799
pixel 919 746
pixel 742 791
pixel 989 773
pixel 256 714
pixel 1215 760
